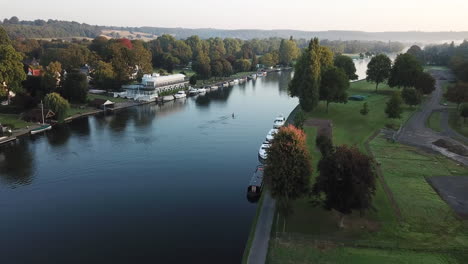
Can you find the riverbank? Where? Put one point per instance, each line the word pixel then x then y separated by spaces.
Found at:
pixel 312 233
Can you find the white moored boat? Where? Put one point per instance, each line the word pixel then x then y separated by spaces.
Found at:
pixel 214 87
pixel 262 152
pixel 180 94
pixel 201 90
pixel 271 134
pixel 168 98
pixel 225 84
pixel 44 126
pixel 231 83
pixel 192 91
pixel 279 121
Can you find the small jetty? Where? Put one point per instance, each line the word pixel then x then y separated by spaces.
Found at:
pixel 5 140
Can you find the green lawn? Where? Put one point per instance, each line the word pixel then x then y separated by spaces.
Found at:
pixel 349 126
pixel 304 252
pixel 457 123
pixel 434 121
pixel 427 221
pixel 13 121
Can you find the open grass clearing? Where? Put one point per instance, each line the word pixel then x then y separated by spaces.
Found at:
pixel 13 121
pixel 428 223
pixel 433 122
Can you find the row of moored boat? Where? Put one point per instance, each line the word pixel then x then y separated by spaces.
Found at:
pixel 256 183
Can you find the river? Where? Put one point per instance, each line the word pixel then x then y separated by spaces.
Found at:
pixel 149 184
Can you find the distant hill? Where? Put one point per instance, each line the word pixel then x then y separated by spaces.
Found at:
pixel 411 36
pixel 65 29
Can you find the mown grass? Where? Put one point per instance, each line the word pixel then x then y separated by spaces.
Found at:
pixel 457 123
pixel 427 223
pixel 285 253
pixel 433 122
pixel 13 121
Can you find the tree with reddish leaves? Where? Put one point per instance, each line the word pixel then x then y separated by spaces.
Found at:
pixel 126 43
pixel 288 170
pixel 346 182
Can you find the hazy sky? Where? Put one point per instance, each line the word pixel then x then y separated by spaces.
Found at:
pixel 366 15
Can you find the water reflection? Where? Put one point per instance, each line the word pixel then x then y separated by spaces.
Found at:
pixel 221 95
pixel 16 163
pixel 59 135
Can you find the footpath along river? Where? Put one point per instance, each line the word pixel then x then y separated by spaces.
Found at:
pixel 149 184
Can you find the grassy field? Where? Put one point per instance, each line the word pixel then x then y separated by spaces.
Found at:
pixel 457 123
pixel 349 126
pixel 434 121
pixel 426 219
pixel 309 253
pixel 13 121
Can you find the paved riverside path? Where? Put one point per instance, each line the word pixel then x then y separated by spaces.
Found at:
pixel 416 133
pixel 259 248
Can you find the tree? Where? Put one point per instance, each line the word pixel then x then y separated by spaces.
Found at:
pixel 425 83
pixel 394 108
pixel 217 68
pixel 57 104
pixel 193 80
pixel 4 39
pixel 51 78
pixel 347 180
pixel 11 70
pixel 103 75
pixel 378 69
pixel 464 112
pixel 306 81
pixel 365 109
pixel 242 65
pixel 457 94
pixel 299 120
pixel 347 65
pixel 324 144
pixel 287 169
pixel 75 87
pixel 411 96
pixel 254 63
pixel 333 86
pixel 201 65
pixel 405 71
pixel 288 51
pixel 267 60
pixel 417 52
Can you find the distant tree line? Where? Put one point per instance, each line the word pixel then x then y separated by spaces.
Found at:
pixel 48 29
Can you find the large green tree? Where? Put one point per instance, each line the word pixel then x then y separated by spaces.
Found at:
pixel 347 65
pixel 103 75
pixel 378 69
pixel 405 71
pixel 425 83
pixel 11 69
pixel 347 181
pixel 288 51
pixel 51 78
pixel 75 87
pixel 333 86
pixel 411 96
pixel 394 106
pixel 306 81
pixel 457 93
pixel 57 104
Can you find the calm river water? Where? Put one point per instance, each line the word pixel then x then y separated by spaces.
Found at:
pixel 150 184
